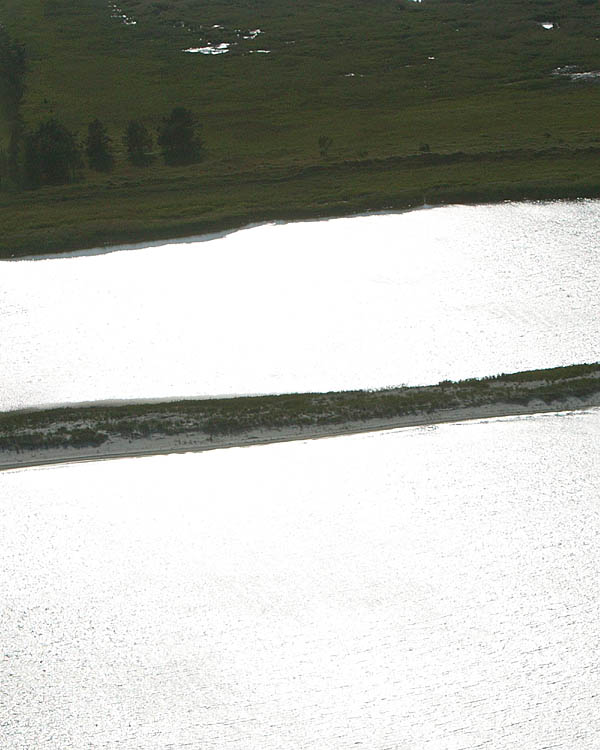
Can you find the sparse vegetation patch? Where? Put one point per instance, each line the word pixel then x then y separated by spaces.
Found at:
pixel 93 426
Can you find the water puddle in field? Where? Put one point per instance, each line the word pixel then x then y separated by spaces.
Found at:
pixel 219 49
pixel 116 12
pixel 548 25
pixel 210 46
pixel 252 34
pixel 574 74
pixel 589 75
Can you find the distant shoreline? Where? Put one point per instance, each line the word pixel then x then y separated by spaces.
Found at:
pixel 89 237
pixel 209 236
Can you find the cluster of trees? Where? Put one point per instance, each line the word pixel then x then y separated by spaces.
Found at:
pixel 52 155
pixel 13 64
pixel 12 70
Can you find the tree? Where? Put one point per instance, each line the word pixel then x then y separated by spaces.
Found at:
pixel 98 148
pixel 13 64
pixel 32 162
pixel 51 155
pixel 325 143
pixel 15 151
pixel 3 169
pixel 138 142
pixel 178 139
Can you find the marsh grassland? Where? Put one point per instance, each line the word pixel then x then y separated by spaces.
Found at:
pixel 314 109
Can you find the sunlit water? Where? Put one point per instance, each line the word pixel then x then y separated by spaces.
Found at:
pixel 349 303
pixel 430 589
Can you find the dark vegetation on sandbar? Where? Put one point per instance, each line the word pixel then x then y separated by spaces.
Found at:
pixel 91 426
pixel 317 108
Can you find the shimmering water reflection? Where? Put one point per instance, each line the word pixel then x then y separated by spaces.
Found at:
pixel 429 588
pixel 349 303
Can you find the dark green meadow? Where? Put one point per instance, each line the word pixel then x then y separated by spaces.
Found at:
pixel 450 100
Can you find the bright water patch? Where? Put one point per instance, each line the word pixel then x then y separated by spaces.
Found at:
pixel 589 75
pixel 116 12
pixel 429 588
pixel 575 74
pixel 360 302
pixel 222 48
pixel 218 49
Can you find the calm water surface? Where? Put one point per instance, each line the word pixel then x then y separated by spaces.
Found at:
pixel 349 303
pixel 434 588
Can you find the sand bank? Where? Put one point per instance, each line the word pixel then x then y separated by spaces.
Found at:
pixel 116 448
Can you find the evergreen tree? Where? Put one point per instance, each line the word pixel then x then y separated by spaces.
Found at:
pixel 15 151
pixel 178 139
pixel 52 156
pixel 3 169
pixel 13 63
pixel 32 162
pixel 98 148
pixel 138 142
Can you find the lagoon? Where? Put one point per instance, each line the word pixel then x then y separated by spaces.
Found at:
pixel 363 302
pixel 425 588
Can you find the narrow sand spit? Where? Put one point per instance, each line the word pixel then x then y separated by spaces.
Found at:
pixel 197 442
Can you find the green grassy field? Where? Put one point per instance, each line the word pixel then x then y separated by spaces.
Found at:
pixel 472 79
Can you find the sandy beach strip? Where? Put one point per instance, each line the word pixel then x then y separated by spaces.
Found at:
pixel 197 442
